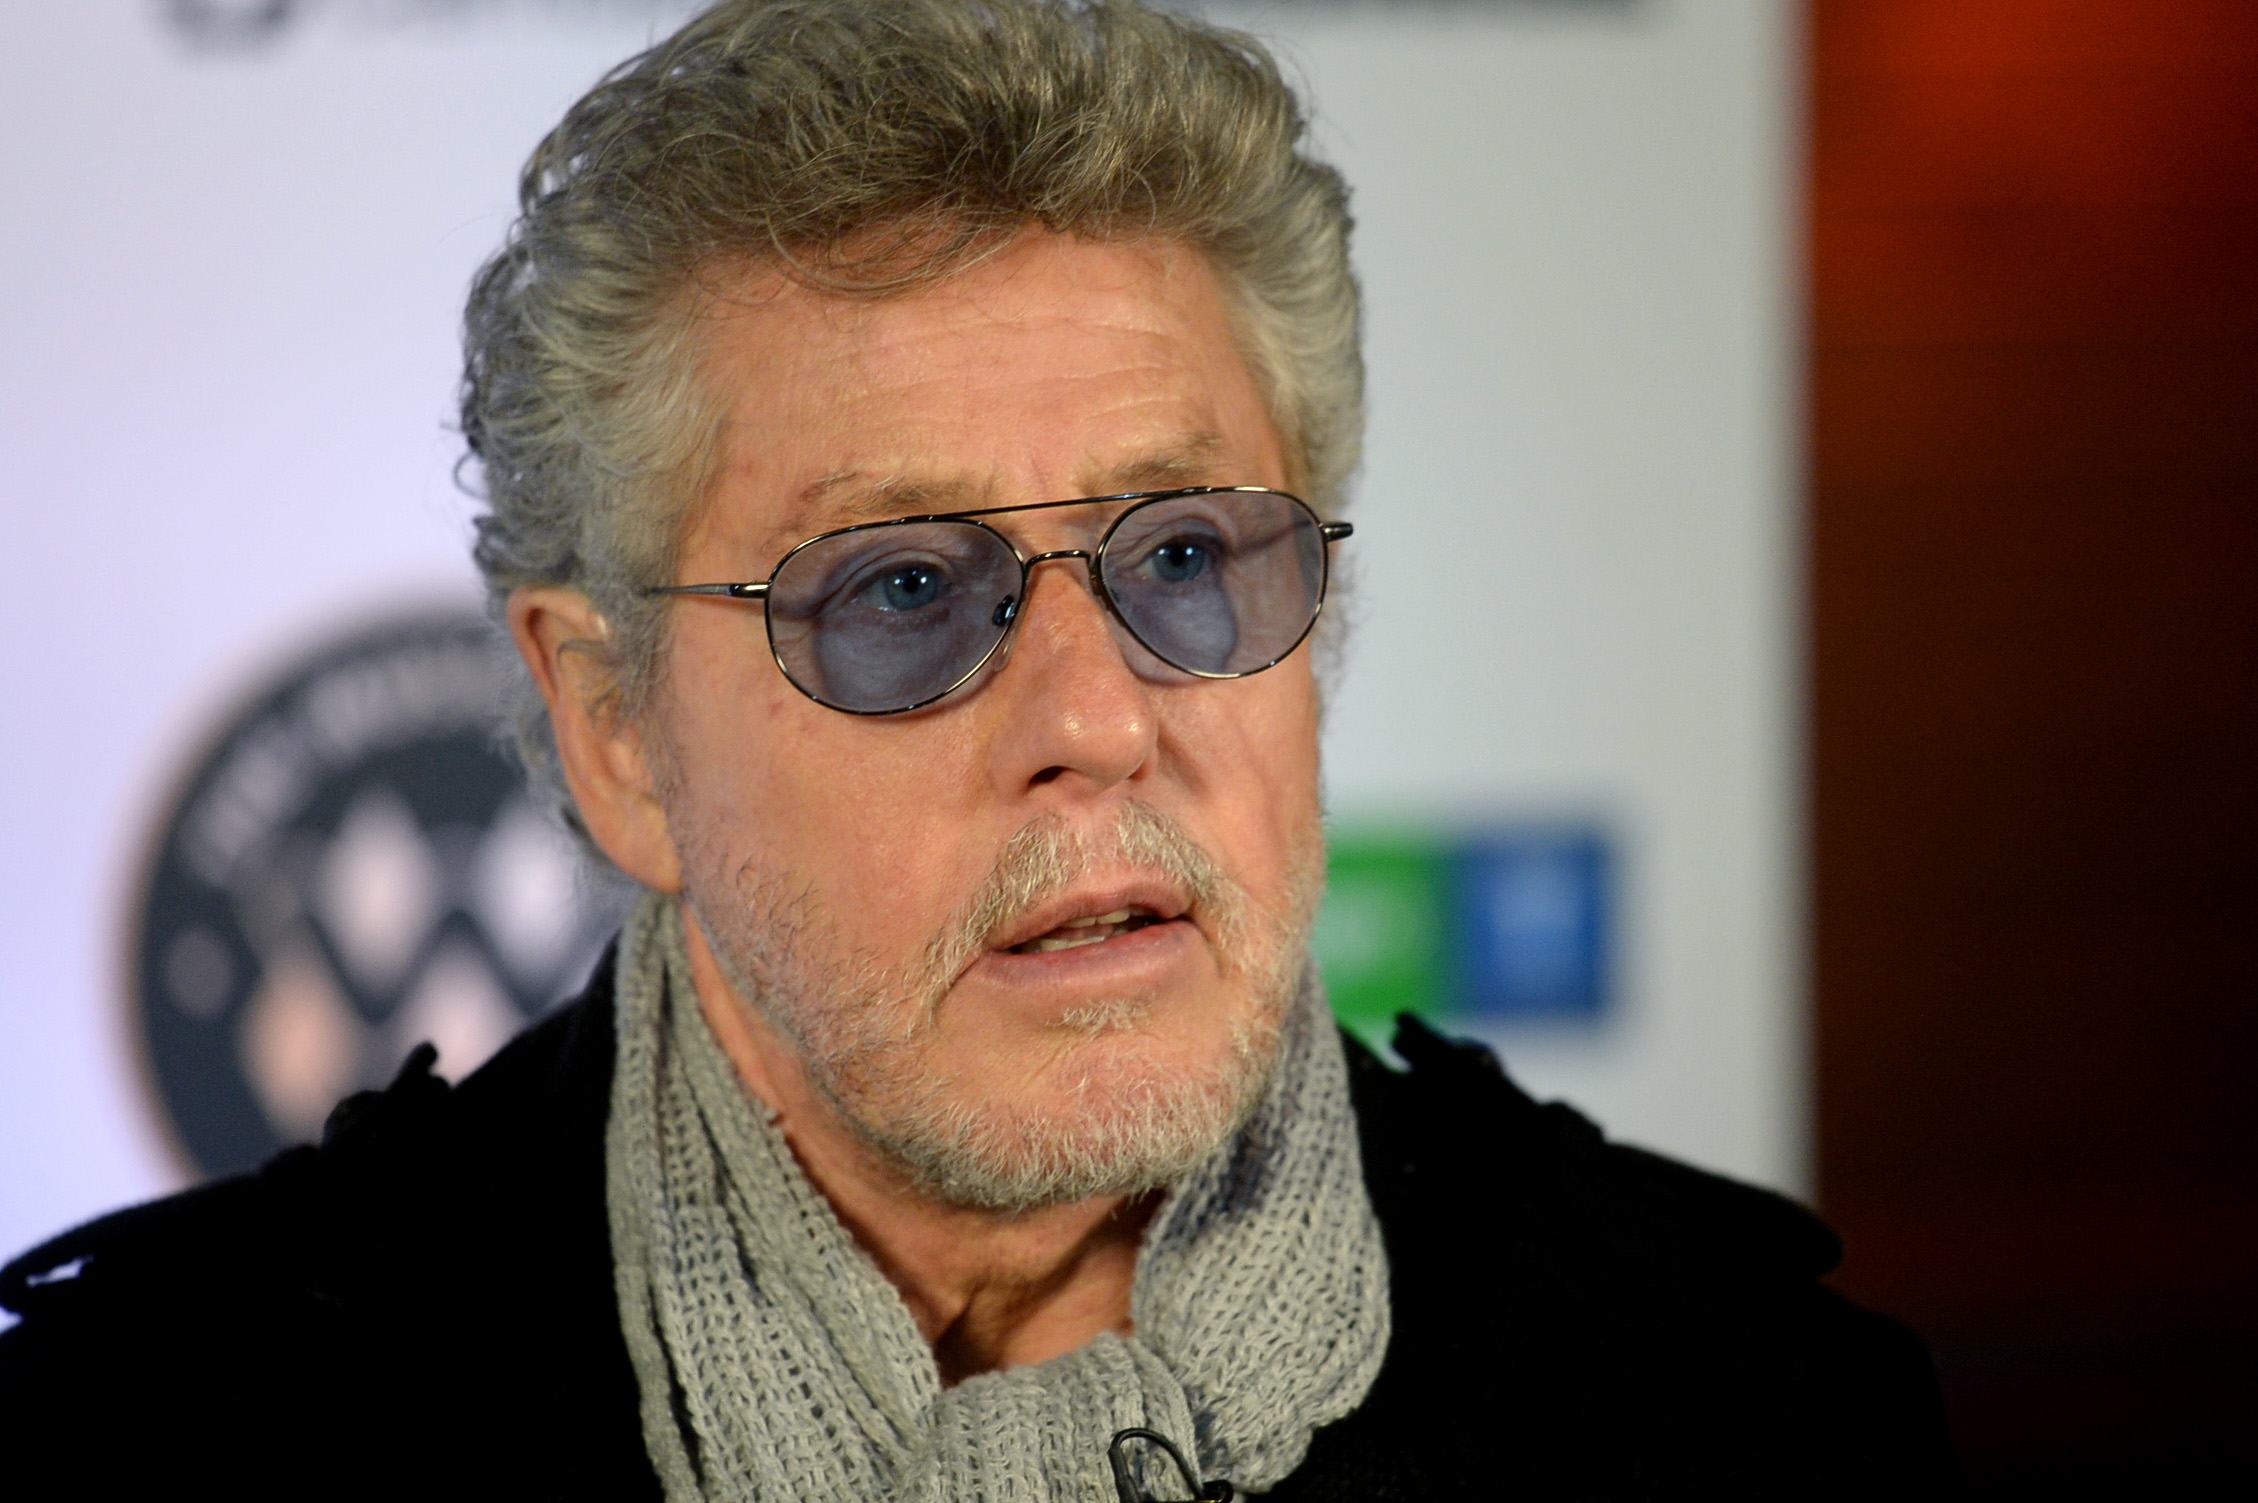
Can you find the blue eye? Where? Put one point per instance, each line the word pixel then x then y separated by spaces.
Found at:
pixel 906 589
pixel 1178 562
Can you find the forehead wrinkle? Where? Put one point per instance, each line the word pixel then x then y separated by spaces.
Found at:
pixel 849 497
pixel 1189 460
pixel 845 499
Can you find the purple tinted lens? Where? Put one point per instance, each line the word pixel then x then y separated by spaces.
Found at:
pixel 890 617
pixel 1220 583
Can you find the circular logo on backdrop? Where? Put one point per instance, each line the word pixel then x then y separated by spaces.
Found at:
pixel 353 867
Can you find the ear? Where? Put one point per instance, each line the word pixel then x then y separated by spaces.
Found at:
pixel 561 636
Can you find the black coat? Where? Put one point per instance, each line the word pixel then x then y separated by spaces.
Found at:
pixel 424 1306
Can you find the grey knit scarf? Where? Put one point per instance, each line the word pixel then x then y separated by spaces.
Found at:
pixel 775 1361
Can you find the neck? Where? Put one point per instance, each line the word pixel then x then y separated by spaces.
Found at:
pixel 989 1290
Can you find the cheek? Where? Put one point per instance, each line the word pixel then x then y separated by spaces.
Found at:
pixel 867 817
pixel 1250 759
pixel 721 711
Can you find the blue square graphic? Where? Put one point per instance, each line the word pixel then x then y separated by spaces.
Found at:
pixel 1534 924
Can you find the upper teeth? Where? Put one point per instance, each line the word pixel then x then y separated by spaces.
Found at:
pixel 1082 931
pixel 1061 942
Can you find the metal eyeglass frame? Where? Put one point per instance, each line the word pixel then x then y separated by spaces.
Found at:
pixel 1329 532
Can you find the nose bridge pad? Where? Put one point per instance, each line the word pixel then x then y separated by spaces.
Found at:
pixel 1012 607
pixel 1135 655
pixel 1060 556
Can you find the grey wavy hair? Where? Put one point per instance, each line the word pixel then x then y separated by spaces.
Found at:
pixel 865 148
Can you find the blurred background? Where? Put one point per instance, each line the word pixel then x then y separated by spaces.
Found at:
pixel 2032 512
pixel 1801 702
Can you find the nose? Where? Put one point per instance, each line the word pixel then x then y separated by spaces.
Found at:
pixel 1071 712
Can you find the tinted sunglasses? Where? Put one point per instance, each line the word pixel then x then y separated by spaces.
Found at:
pixel 877 619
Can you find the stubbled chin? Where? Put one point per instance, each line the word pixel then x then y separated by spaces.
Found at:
pixel 1110 1113
pixel 1036 1082
pixel 1120 1055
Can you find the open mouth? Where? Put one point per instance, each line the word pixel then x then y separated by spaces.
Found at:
pixel 1094 930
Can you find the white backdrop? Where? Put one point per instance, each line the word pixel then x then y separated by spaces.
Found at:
pixel 229 281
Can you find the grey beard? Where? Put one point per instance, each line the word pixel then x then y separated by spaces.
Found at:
pixel 773 1359
pixel 864 1036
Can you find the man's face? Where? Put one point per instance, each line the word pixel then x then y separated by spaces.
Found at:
pixel 882 887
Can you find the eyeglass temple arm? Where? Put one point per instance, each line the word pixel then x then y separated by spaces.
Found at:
pixel 1336 531
pixel 757 590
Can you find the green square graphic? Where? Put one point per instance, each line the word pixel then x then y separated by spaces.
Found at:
pixel 1381 940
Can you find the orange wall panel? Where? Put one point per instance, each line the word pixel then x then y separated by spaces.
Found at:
pixel 2034 702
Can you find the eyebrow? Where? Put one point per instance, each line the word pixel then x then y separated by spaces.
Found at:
pixel 850 497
